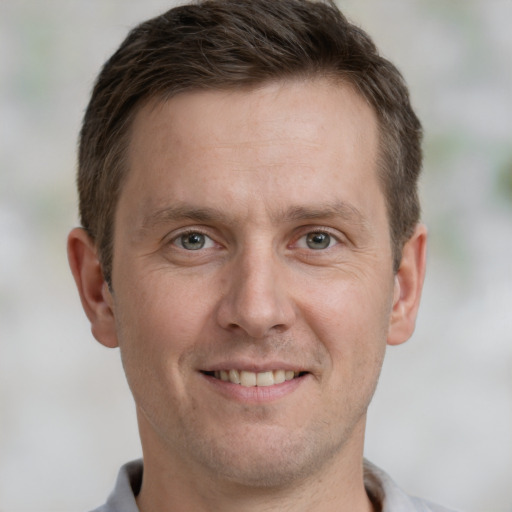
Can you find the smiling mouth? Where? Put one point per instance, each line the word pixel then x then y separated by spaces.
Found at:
pixel 255 379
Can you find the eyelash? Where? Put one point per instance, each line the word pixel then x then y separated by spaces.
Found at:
pixel 308 230
pixel 176 238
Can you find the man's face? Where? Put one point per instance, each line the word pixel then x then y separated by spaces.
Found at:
pixel 251 239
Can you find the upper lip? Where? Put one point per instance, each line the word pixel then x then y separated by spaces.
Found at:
pixel 252 366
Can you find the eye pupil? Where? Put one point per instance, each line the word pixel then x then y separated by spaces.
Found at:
pixel 318 241
pixel 193 241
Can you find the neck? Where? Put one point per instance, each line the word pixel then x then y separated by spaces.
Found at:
pixel 171 484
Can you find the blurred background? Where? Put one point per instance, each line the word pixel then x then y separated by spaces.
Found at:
pixel 441 421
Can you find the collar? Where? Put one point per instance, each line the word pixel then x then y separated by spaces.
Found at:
pixel 382 490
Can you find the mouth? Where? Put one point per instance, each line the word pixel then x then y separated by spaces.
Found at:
pixel 255 379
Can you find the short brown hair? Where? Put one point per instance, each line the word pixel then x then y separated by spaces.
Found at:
pixel 222 44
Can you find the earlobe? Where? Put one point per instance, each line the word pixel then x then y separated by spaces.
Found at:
pixel 94 293
pixel 408 286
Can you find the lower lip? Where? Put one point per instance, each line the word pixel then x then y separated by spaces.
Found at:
pixel 255 394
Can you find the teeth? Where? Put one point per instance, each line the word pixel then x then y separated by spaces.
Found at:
pixel 265 379
pixel 251 379
pixel 234 376
pixel 248 379
pixel 289 374
pixel 279 376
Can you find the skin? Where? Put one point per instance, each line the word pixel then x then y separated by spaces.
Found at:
pixel 252 174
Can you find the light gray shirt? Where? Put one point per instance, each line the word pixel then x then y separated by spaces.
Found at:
pixel 383 492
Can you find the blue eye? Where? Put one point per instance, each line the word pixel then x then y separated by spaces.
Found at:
pixel 318 240
pixel 194 241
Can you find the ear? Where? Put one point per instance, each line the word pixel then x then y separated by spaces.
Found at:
pixel 95 295
pixel 408 286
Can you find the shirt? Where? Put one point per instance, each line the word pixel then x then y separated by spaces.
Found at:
pixel 381 489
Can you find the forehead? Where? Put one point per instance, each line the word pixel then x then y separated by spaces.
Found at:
pixel 238 114
pixel 292 141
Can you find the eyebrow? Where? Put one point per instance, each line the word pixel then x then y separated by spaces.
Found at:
pixel 181 212
pixel 338 209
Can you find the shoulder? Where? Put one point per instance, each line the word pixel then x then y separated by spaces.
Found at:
pixel 390 497
pixel 122 498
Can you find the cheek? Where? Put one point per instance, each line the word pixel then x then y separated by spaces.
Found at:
pixel 162 307
pixel 351 320
pixel 160 321
pixel 158 331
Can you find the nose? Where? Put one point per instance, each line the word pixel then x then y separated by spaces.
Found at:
pixel 258 298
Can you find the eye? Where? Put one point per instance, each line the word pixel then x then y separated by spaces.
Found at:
pixel 194 241
pixel 317 240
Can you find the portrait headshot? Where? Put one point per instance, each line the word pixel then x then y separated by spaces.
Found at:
pixel 289 226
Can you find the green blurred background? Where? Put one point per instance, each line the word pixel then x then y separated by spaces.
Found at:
pixel 441 421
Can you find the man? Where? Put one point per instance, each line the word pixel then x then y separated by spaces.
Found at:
pixel 251 242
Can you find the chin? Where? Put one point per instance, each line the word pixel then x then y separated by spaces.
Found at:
pixel 266 461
